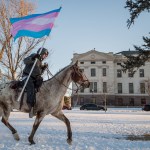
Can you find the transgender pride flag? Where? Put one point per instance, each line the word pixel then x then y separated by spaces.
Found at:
pixel 36 25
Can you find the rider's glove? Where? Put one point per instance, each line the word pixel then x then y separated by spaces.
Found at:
pixel 44 66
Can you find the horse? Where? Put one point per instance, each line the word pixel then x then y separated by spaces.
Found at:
pixel 49 100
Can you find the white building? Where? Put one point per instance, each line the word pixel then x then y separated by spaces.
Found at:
pixel 109 83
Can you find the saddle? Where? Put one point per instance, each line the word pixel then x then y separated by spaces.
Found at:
pixel 16 85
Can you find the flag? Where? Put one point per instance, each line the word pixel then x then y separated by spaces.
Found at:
pixel 35 25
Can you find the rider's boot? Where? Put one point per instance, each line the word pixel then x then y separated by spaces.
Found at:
pixel 31 113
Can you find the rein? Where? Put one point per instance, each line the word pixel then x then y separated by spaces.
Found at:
pixel 49 73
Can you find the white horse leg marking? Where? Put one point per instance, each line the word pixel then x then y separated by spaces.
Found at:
pixel 63 118
pixel 16 136
pixel 14 132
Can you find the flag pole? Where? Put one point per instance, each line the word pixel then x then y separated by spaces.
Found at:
pixel 31 71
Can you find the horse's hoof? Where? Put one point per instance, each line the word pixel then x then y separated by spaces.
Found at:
pixel 32 142
pixel 16 136
pixel 69 141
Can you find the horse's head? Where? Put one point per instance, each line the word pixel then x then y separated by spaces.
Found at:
pixel 79 77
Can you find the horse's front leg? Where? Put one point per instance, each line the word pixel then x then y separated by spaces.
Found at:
pixel 39 118
pixel 63 118
pixel 14 132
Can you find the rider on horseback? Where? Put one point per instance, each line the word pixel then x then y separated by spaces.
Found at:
pixel 35 80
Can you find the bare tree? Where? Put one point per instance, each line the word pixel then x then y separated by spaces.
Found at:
pixel 107 89
pixel 12 53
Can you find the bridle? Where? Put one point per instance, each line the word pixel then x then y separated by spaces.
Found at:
pixel 75 75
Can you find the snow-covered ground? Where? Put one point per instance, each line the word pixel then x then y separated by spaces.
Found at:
pixel 117 129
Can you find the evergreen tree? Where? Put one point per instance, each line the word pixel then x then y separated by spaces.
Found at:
pixel 136 7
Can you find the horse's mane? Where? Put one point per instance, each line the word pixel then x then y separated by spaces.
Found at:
pixel 58 72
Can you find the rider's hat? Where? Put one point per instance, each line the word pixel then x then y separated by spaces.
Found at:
pixel 43 51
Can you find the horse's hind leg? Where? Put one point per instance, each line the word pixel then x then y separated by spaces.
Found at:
pixel 63 118
pixel 5 112
pixel 14 132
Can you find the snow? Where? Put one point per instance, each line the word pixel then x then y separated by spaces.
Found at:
pixel 117 129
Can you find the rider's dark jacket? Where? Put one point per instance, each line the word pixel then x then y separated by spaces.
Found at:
pixel 37 71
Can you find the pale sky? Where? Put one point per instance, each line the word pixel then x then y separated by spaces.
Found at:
pixel 86 24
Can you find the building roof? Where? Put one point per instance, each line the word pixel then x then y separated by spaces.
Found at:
pixel 128 52
pixel 93 55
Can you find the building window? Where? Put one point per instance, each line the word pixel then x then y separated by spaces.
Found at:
pixel 92 62
pixel 93 100
pixel 93 87
pixel 143 101
pixel 104 72
pixel 119 87
pixel 81 100
pixel 82 62
pixel 119 64
pixel 103 62
pixel 130 74
pixel 82 70
pixel 93 72
pixel 142 88
pixel 82 90
pixel 131 101
pixel 120 102
pixel 119 73
pixel 131 90
pixel 104 87
pixel 141 71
